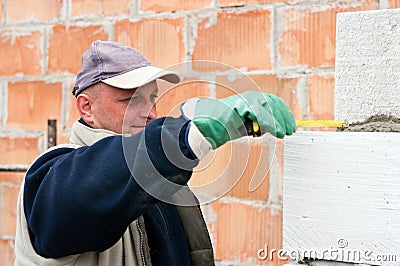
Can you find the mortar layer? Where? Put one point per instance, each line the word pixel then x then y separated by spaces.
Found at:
pixel 375 123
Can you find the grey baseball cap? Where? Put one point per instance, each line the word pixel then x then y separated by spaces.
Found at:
pixel 117 65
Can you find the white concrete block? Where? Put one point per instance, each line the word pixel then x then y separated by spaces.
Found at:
pixel 367 68
pixel 341 194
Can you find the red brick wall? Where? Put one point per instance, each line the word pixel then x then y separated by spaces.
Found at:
pixel 285 47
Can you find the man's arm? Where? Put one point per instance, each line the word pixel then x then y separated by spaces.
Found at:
pixel 81 200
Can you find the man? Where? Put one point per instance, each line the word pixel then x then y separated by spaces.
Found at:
pixel 106 198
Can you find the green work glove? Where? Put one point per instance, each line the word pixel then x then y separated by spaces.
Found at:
pixel 222 120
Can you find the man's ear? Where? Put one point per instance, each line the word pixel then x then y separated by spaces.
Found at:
pixel 84 105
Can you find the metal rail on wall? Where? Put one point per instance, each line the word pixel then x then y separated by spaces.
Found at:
pixel 51 141
pixel 51 133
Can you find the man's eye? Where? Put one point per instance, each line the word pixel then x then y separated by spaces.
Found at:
pixel 153 98
pixel 134 99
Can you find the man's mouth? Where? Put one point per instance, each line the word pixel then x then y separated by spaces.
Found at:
pixel 141 126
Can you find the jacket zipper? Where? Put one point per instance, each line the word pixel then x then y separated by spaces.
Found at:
pixel 141 242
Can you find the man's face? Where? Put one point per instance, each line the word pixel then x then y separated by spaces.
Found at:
pixel 125 111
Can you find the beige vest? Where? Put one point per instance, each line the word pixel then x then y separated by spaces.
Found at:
pixel 131 249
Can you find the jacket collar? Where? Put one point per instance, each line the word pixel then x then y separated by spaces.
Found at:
pixel 84 135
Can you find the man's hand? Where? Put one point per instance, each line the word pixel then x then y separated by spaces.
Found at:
pixel 222 120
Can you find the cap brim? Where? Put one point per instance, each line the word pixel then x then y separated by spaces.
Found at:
pixel 141 76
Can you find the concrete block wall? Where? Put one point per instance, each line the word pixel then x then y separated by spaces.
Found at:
pixel 286 47
pixel 341 197
pixel 367 65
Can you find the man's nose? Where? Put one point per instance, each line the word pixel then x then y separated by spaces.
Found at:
pixel 153 112
pixel 148 110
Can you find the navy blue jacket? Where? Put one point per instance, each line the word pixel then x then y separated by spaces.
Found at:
pixel 82 200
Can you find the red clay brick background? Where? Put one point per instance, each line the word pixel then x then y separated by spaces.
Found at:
pixel 281 47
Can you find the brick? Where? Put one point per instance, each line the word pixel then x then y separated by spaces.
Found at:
pixel 211 176
pixel 21 53
pixel 32 103
pixel 63 137
pixel 1 13
pixel 18 150
pixel 234 3
pixel 9 198
pixel 285 88
pixel 11 177
pixel 394 4
pixel 242 169
pixel 240 230
pixel 7 252
pixel 67 44
pixel 32 11
pixel 238 169
pixel 173 5
pixel 241 40
pixel 100 7
pixel 321 90
pixel 171 96
pixel 309 32
pixel 160 40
